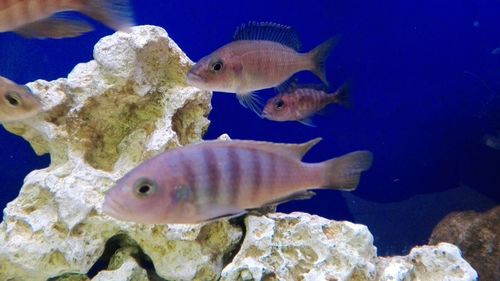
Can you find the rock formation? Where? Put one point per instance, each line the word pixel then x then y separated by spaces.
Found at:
pixel 128 104
pixel 477 235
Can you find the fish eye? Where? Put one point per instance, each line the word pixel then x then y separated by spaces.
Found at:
pixel 144 187
pixel 279 104
pixel 217 66
pixel 13 99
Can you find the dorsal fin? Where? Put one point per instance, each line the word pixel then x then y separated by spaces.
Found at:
pixel 314 86
pixel 268 31
pixel 297 150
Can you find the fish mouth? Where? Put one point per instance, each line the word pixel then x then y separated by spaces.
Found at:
pixel 194 79
pixel 110 207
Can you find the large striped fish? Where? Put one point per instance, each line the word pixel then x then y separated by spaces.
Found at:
pixel 262 55
pixel 214 179
pixel 39 18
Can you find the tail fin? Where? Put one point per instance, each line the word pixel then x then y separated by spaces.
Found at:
pixel 318 57
pixel 343 172
pixel 116 14
pixel 342 95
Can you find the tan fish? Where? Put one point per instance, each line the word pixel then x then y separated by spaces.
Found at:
pixel 221 178
pixel 262 55
pixel 16 102
pixel 39 18
pixel 301 102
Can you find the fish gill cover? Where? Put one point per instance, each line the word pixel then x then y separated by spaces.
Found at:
pixel 425 100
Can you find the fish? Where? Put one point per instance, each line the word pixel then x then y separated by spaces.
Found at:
pixel 220 179
pixel 17 102
pixel 43 19
pixel 300 103
pixel 262 55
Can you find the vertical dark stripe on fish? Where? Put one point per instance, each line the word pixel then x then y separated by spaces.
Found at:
pixel 9 17
pixel 210 159
pixel 29 7
pixel 190 177
pixel 234 174
pixel 257 173
pixel 273 172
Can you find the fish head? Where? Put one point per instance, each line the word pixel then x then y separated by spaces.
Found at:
pixel 219 71
pixel 135 198
pixel 278 108
pixel 151 195
pixel 17 102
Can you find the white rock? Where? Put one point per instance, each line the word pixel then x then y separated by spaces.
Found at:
pixel 110 114
pixel 129 271
pixel 300 246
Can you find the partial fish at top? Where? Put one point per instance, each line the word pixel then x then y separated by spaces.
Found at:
pixel 262 55
pixel 16 102
pixel 216 179
pixel 39 18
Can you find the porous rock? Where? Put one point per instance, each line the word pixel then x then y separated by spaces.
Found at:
pixel 131 102
pixel 477 235
pixel 300 246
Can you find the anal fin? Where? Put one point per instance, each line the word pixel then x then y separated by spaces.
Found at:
pixel 54 27
pixel 300 195
pixel 307 121
pixel 224 217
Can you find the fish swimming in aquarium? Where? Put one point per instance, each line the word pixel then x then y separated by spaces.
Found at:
pixel 216 179
pixel 16 102
pixel 262 55
pixel 43 19
pixel 300 103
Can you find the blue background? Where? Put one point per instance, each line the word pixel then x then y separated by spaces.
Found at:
pixel 425 92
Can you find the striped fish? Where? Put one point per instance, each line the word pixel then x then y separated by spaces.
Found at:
pixel 39 18
pixel 300 103
pixel 215 179
pixel 262 55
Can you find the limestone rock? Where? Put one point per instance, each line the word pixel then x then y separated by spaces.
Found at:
pixel 110 114
pixel 129 271
pixel 477 235
pixel 440 262
pixel 300 246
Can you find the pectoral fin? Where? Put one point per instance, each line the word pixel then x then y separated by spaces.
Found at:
pixel 251 101
pixel 54 27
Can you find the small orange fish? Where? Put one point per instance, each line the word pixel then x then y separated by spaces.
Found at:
pixel 262 55
pixel 39 18
pixel 215 179
pixel 16 102
pixel 300 103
